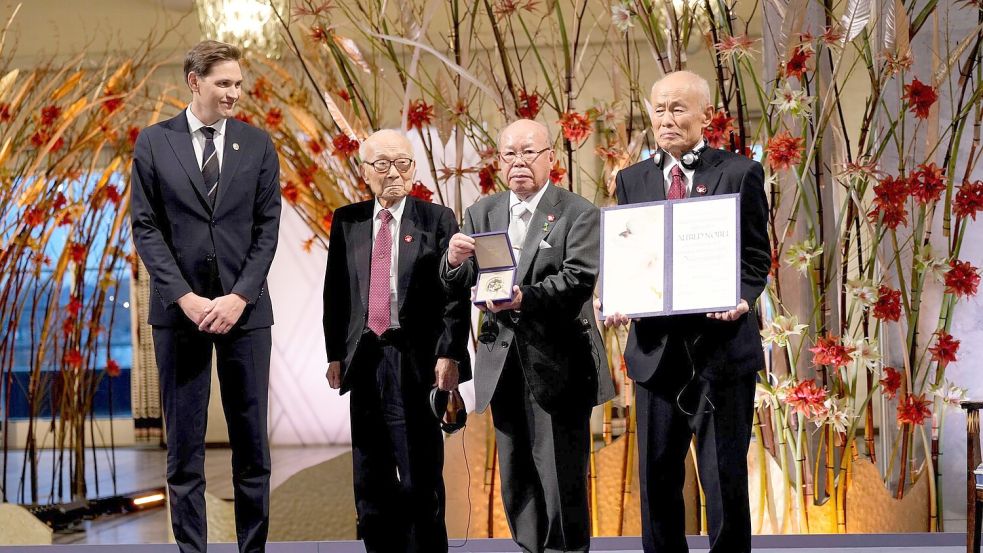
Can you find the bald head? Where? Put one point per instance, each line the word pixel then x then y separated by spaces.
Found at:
pixel 527 144
pixel 684 81
pixel 385 139
pixel 392 151
pixel 681 111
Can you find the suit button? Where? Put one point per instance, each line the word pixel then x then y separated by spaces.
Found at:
pixel 505 345
pixel 212 222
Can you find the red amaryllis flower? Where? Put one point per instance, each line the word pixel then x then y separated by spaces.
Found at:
pixel 77 252
pixel 576 126
pixel 5 113
pixel 112 369
pixel 72 358
pixel 557 173
pixel 829 351
pixel 68 326
pixel 111 105
pixel 734 45
pixel 326 220
pixel 33 217
pixel 421 191
pixel 290 192
pixel 927 183
pixel 315 146
pixel 888 304
pixel 131 135
pixel 718 133
pixel 891 382
pixel 419 114
pixel 244 117
pixel 969 200
pixel 261 90
pixel 74 307
pixel 319 33
pixel 344 95
pixel 945 348
pixel 832 35
pixel 307 173
pixel 920 98
pixel 890 195
pixel 913 410
pixel 274 117
pixel 486 178
pixel 41 137
pixel 528 105
pixel 505 8
pixel 783 151
pixel 807 399
pixel 344 145
pixel 797 64
pixel 962 279
pixel 49 114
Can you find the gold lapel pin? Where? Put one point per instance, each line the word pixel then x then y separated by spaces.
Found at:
pixel 235 146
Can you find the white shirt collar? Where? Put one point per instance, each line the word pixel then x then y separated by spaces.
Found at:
pixel 396 211
pixel 194 123
pixel 532 202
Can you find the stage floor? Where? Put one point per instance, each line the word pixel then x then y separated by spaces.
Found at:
pixel 885 543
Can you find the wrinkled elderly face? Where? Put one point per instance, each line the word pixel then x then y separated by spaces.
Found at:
pixel 528 143
pixel 392 149
pixel 214 95
pixel 680 113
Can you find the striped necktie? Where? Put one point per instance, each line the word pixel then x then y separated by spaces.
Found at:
pixel 209 167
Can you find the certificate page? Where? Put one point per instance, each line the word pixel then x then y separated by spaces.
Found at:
pixel 633 260
pixel 705 256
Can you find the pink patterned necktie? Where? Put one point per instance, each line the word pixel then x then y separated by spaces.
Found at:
pixel 677 188
pixel 379 293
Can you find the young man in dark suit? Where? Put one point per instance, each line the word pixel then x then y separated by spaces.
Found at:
pixel 205 210
pixel 546 369
pixel 695 374
pixel 392 333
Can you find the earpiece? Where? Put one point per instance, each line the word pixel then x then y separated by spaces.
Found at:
pixel 689 159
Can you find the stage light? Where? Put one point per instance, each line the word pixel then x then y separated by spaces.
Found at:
pixel 151 500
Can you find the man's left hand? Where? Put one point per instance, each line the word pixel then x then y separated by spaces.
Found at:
pixel 446 372
pixel 731 315
pixel 224 314
pixel 515 304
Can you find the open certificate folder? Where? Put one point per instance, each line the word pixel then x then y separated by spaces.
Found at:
pixel 671 257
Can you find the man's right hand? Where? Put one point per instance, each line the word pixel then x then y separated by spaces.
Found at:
pixel 195 307
pixel 614 319
pixel 334 375
pixel 461 247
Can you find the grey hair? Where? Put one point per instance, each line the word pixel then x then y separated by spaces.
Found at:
pixel 699 83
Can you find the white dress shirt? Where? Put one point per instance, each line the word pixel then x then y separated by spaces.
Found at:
pixel 669 162
pixel 397 212
pixel 198 137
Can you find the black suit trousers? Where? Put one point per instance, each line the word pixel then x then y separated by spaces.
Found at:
pixel 184 361
pixel 672 407
pixel 397 455
pixel 543 459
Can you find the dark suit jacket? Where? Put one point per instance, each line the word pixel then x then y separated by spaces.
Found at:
pixel 554 333
pixel 181 239
pixel 434 323
pixel 719 349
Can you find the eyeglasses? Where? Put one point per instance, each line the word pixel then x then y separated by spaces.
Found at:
pixel 528 156
pixel 382 165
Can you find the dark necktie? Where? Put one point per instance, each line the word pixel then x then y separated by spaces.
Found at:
pixel 677 188
pixel 209 165
pixel 379 292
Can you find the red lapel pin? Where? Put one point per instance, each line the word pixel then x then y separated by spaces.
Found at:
pixel 407 239
pixel 701 189
pixel 551 217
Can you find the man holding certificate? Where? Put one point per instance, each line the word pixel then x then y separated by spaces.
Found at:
pixel 695 372
pixel 541 364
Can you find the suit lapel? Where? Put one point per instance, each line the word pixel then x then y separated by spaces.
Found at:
pixel 707 174
pixel 498 215
pixel 539 228
pixel 361 237
pixel 179 137
pixel 655 184
pixel 230 159
pixel 408 249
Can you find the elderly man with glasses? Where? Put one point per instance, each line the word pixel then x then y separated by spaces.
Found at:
pixel 546 369
pixel 392 332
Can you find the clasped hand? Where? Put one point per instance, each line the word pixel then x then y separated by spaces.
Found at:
pixel 216 316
